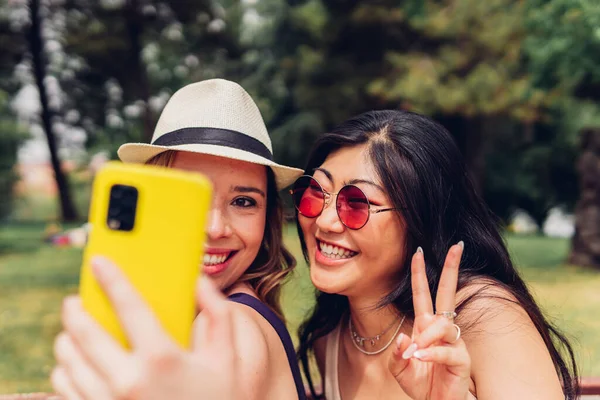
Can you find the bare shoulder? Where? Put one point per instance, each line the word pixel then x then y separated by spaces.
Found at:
pixel 488 304
pixel 249 330
pixel 508 354
pixel 252 350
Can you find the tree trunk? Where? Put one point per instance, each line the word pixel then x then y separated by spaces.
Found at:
pixel 585 248
pixel 135 28
pixel 37 52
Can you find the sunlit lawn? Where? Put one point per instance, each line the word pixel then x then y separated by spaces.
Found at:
pixel 35 277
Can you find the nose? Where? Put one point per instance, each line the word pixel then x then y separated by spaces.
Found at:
pixel 329 221
pixel 218 224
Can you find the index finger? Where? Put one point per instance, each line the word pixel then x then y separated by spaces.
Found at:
pixel 446 293
pixel 420 286
pixel 138 321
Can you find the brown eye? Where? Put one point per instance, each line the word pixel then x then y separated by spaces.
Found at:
pixel 244 202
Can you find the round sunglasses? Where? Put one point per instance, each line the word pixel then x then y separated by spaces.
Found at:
pixel 352 204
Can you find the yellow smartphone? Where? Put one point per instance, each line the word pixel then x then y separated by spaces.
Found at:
pixel 150 221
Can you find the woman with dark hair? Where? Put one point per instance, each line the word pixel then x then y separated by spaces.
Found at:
pixel 405 215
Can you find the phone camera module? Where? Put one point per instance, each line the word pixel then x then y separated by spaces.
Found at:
pixel 122 207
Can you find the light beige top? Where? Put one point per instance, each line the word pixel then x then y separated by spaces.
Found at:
pixel 332 386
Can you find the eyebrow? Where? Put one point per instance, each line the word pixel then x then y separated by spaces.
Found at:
pixel 351 182
pixel 327 173
pixel 249 189
pixel 367 182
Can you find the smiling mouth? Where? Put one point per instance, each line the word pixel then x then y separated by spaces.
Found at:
pixel 335 252
pixel 217 259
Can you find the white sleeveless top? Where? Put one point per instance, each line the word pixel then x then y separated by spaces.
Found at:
pixel 332 348
pixel 332 386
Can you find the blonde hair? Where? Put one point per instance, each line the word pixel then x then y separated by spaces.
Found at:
pixel 273 262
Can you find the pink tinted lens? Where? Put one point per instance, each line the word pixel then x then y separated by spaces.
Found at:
pixel 308 197
pixel 353 207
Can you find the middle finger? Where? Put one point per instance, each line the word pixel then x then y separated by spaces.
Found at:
pixel 445 299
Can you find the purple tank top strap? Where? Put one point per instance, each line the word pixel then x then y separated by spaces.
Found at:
pixel 282 332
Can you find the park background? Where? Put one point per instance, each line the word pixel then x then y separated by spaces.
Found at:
pixel 516 82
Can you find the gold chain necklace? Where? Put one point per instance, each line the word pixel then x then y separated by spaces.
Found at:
pixel 359 341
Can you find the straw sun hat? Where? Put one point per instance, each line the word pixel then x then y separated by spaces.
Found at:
pixel 215 117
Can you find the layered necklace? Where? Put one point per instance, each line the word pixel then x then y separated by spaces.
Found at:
pixel 359 341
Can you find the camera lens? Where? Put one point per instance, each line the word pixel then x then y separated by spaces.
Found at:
pixel 116 192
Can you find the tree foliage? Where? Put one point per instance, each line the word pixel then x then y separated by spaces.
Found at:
pixel 563 45
pixel 506 77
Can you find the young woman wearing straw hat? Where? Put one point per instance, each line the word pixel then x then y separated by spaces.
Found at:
pixel 212 127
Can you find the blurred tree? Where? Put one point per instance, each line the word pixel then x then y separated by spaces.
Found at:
pixel 531 169
pixel 586 242
pixel 37 51
pixel 563 45
pixel 458 61
pixel 468 63
pixel 464 63
pixel 328 53
pixel 564 52
pixel 134 54
pixel 13 45
pixel 10 138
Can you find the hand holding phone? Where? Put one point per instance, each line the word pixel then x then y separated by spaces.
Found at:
pixel 91 365
pixel 150 221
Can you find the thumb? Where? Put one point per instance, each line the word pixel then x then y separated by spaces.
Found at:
pixel 398 363
pixel 214 324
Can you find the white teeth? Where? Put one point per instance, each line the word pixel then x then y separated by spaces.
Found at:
pixel 213 259
pixel 335 252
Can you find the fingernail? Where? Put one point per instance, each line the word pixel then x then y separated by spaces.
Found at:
pixel 421 354
pixel 410 351
pixel 399 339
pixel 462 245
pixel 419 250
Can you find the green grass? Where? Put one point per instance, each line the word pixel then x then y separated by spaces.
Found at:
pixel 568 295
pixel 34 278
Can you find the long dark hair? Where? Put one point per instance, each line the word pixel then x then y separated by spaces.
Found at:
pixel 422 170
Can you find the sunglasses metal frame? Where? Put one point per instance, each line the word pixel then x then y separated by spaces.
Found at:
pixel 327 199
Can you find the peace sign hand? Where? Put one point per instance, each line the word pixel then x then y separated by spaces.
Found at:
pixel 435 364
